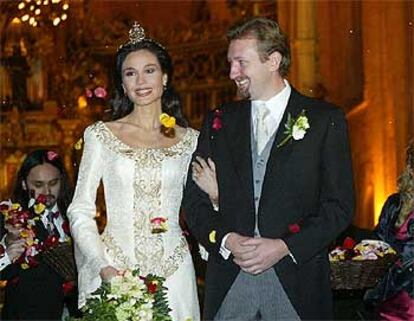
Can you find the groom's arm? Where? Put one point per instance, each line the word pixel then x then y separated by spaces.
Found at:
pixel 204 222
pixel 336 195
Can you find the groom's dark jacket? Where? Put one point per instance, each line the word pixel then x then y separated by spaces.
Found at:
pixel 307 199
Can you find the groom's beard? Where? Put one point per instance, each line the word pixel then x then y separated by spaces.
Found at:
pixel 243 93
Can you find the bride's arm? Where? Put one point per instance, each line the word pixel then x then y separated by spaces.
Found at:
pixel 89 249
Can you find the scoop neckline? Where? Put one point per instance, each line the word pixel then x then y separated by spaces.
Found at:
pixel 187 130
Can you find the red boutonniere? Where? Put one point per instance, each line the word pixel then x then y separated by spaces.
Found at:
pixel 217 123
pixel 294 228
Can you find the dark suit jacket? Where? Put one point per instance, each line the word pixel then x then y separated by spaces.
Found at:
pixel 35 293
pixel 307 182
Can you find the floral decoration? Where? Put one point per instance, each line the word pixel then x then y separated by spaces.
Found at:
pixel 295 128
pixel 365 250
pixel 68 287
pixel 294 228
pixel 212 236
pixel 14 215
pixel 128 297
pixel 217 122
pixel 167 121
pixel 51 155
pixel 159 224
pixel 78 144
pixel 98 92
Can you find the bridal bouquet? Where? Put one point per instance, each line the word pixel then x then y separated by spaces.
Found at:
pixel 128 297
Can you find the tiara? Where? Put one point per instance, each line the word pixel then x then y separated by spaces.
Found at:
pixel 136 35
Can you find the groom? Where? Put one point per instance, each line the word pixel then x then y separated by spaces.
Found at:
pixel 285 188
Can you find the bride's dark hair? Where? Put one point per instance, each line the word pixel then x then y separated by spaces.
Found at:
pixel 170 100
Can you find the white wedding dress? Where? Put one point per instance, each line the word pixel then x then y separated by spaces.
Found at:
pixel 139 184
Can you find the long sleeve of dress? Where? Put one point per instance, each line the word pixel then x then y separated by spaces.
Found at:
pixel 89 250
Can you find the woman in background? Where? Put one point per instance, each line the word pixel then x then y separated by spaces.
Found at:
pixel 393 297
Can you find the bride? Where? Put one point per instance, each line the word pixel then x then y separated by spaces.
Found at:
pixel 143 165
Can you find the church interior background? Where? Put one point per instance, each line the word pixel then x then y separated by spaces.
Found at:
pixel 56 65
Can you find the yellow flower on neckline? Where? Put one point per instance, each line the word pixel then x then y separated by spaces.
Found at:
pixel 167 121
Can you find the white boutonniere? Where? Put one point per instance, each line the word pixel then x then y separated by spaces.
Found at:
pixel 295 128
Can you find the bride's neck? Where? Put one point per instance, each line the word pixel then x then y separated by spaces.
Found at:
pixel 147 118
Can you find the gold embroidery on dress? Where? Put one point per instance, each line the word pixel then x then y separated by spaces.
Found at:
pixel 115 252
pixel 149 248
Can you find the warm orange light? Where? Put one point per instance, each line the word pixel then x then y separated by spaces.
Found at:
pixel 82 102
pixel 378 203
pixel 56 21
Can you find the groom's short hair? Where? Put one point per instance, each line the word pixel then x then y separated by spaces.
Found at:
pixel 269 36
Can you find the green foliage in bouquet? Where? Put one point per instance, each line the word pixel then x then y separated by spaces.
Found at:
pixel 128 297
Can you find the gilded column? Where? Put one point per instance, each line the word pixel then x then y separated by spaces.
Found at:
pixel 298 19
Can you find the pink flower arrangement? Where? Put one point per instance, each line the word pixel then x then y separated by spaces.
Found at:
pixel 100 92
pixel 159 225
pixel 51 155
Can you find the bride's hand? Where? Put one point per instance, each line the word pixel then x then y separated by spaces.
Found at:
pixel 204 175
pixel 108 272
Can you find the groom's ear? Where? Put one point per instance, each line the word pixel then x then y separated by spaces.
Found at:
pixel 274 60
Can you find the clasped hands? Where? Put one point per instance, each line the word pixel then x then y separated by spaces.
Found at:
pixel 255 255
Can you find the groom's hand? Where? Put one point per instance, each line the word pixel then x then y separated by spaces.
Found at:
pixel 267 253
pixel 234 245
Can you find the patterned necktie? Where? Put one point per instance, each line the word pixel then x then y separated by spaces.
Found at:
pixel 262 128
pixel 50 225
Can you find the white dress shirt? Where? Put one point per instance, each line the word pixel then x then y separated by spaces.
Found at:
pixel 276 105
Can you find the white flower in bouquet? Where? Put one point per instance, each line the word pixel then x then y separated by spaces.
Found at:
pixel 128 297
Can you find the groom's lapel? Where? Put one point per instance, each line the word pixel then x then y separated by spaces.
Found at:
pixel 239 142
pixel 281 154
